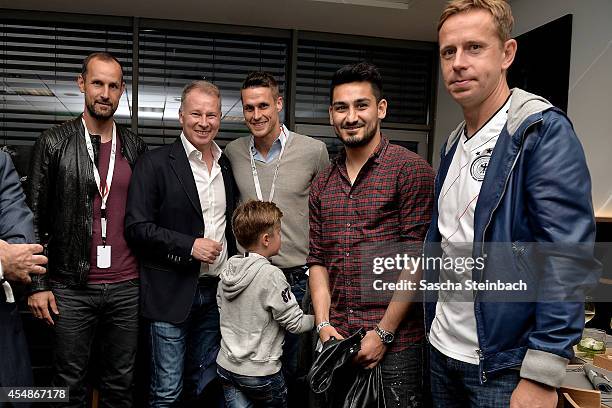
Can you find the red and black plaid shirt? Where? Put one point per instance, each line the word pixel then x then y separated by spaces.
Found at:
pixel 391 200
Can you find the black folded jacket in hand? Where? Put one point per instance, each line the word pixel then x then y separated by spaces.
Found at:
pixel 344 384
pixel 334 355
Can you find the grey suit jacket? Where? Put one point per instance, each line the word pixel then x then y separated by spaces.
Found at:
pixel 15 227
pixel 15 216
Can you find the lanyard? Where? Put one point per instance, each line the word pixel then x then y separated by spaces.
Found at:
pixel 254 169
pixel 104 191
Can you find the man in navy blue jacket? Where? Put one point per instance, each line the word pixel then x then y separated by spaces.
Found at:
pixel 178 219
pixel 514 174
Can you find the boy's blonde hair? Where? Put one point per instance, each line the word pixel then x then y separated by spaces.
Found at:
pixel 253 218
pixel 499 9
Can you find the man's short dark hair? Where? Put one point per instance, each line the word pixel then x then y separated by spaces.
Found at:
pixel 101 55
pixel 359 72
pixel 261 79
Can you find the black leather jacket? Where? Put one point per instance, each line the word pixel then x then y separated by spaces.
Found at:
pixel 61 189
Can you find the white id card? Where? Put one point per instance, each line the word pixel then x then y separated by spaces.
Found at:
pixel 104 256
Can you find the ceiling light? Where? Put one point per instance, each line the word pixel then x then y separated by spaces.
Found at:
pixel 394 4
pixel 27 91
pixel 150 109
pixel 232 118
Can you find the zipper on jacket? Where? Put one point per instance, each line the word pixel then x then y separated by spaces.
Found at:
pixel 423 256
pixel 425 300
pixel 518 155
pixel 483 373
pixel 519 253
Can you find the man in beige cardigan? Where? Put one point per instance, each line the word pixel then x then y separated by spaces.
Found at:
pixel 275 164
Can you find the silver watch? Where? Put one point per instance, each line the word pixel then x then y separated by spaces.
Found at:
pixel 385 336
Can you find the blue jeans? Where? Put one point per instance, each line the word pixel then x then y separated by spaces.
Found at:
pixel 456 384
pixel 242 391
pixel 183 355
pixel 105 314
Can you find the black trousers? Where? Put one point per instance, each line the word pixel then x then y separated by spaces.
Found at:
pixel 104 318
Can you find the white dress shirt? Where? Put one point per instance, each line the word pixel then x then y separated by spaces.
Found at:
pixel 8 292
pixel 211 192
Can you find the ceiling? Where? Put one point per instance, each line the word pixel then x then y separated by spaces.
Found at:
pixel 401 19
pixel 398 19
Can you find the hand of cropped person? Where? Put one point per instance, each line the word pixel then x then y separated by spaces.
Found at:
pixel 20 260
pixel 530 394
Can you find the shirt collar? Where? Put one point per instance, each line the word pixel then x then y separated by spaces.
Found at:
pixel 282 139
pixel 380 149
pixel 376 154
pixel 496 121
pixel 191 149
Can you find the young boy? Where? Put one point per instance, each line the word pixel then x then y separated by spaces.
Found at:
pixel 255 304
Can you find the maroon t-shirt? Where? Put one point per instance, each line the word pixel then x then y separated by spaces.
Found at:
pixel 124 265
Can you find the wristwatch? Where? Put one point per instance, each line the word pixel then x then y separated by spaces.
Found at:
pixel 385 336
pixel 322 325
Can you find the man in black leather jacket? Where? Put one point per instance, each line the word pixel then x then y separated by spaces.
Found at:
pixel 79 176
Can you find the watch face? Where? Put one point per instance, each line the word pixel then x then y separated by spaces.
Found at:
pixel 385 337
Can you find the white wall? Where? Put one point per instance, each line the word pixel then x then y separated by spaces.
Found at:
pixel 448 116
pixel 590 92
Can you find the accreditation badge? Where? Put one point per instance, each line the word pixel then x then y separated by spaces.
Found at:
pixel 104 256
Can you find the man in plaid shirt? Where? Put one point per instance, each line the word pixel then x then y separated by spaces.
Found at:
pixel 374 192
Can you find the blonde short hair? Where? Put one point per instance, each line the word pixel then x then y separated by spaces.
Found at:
pixel 207 88
pixel 253 218
pixel 499 9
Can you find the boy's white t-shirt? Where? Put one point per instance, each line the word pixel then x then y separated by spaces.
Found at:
pixel 453 331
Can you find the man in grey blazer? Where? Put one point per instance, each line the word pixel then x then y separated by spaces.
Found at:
pixel 17 261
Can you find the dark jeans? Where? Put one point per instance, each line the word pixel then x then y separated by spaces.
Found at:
pixel 292 341
pixel 456 384
pixel 298 396
pixel 106 314
pixel 242 391
pixel 183 355
pixel 15 367
pixel 403 378
pixel 403 374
